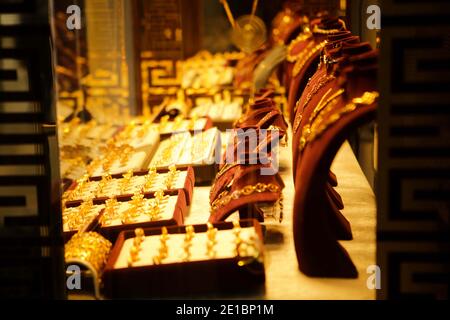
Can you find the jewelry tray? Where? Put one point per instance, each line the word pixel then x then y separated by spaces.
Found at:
pixel 177 218
pixel 206 123
pixel 188 185
pixel 204 171
pixel 111 232
pixel 216 275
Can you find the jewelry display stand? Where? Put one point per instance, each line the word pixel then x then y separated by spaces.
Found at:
pixel 171 212
pixel 184 179
pixel 180 262
pixel 316 240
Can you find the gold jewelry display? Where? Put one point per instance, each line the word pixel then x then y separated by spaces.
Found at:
pixel 134 254
pixel 211 242
pixel 163 249
pixel 237 236
pixel 190 233
pixel 125 182
pixel 170 177
pixel 320 84
pixel 76 218
pixel 150 178
pixel 88 247
pixel 301 37
pixel 306 55
pixel 225 197
pixel 110 212
pixel 136 209
pixel 332 100
pixel 323 120
pixel 238 242
pixel 318 30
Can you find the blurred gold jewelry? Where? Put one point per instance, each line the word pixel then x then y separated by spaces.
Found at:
pixel 163 249
pixel 190 232
pixel 154 210
pixel 237 235
pixel 134 255
pixel 139 234
pixel 164 234
pixel 89 247
pixel 159 196
pixel 211 242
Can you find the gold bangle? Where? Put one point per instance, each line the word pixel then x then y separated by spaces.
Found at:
pixel 89 247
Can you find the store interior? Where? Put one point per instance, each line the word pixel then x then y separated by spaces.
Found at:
pixel 211 149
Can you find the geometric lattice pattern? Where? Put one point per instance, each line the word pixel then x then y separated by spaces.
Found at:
pixel 30 227
pixel 414 150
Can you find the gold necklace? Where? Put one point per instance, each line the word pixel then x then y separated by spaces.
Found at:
pixel 321 124
pixel 301 37
pixel 300 63
pixel 322 104
pixel 306 131
pixel 318 30
pixel 319 85
pixel 225 197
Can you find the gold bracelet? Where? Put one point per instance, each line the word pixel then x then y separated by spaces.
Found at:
pixel 89 247
pixel 225 197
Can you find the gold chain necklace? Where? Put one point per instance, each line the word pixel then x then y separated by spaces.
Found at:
pixel 318 30
pixel 225 197
pixel 321 124
pixel 300 63
pixel 319 85
pixel 222 171
pixel 301 37
pixel 306 131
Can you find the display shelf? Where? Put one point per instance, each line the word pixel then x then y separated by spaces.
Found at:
pixel 283 279
pixel 136 267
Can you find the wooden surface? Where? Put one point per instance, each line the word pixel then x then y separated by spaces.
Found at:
pixel 284 280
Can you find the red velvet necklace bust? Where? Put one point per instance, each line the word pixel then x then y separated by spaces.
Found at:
pixel 315 236
pixel 303 56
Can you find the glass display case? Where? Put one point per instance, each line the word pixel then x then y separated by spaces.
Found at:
pixel 206 149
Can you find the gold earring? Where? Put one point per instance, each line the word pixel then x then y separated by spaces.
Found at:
pixel 211 242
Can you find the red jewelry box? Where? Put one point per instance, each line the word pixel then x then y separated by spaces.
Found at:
pixel 183 278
